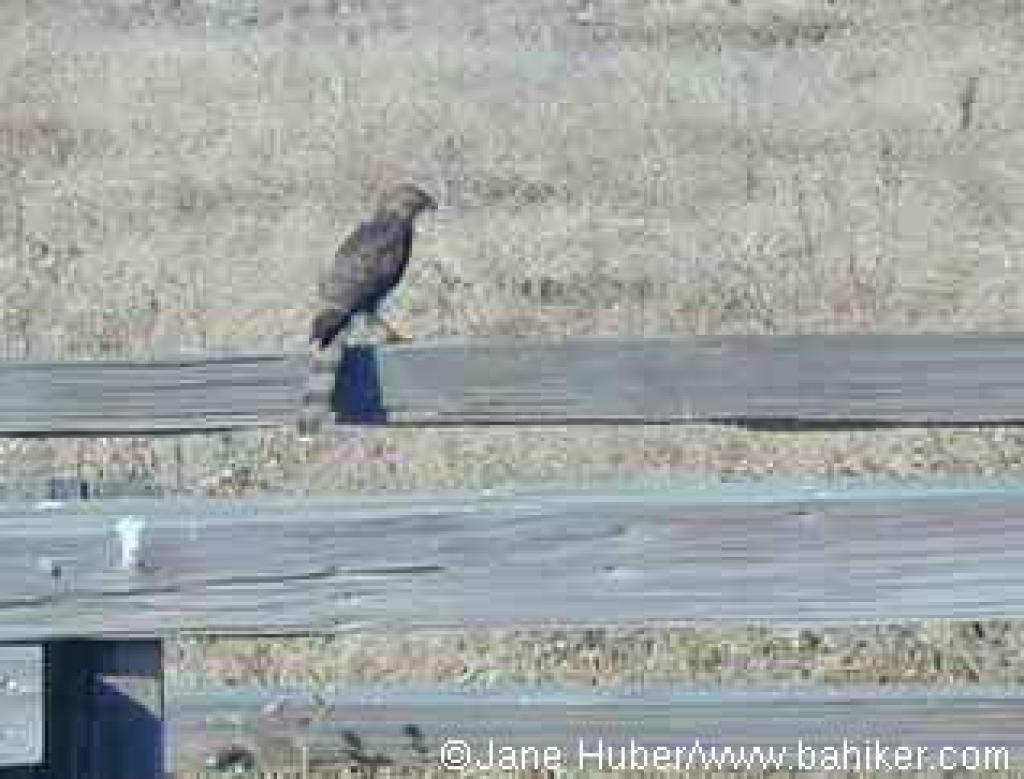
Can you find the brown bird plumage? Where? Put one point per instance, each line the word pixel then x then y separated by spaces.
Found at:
pixel 369 264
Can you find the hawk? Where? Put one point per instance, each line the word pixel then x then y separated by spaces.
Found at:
pixel 368 265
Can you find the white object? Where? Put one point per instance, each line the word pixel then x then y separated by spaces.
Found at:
pixel 129 532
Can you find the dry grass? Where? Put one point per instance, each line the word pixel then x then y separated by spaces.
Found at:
pixel 939 652
pixel 172 171
pixel 171 174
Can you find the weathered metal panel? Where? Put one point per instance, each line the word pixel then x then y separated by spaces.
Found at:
pixel 519 558
pixel 21 705
pixel 577 727
pixel 822 380
pixel 176 396
pixel 759 380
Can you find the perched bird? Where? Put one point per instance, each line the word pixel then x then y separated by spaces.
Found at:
pixel 368 265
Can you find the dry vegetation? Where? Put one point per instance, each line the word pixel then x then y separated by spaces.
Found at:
pixel 936 652
pixel 172 171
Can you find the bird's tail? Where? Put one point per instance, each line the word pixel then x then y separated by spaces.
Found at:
pixel 326 326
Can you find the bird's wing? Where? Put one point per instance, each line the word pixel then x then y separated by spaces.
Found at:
pixel 363 265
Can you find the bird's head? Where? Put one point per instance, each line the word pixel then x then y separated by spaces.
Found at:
pixel 407 201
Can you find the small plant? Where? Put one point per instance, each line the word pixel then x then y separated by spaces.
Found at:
pixel 968 98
